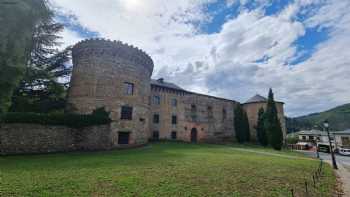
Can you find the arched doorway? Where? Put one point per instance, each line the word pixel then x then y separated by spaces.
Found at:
pixel 193 135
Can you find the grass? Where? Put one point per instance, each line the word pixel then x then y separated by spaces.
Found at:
pixel 162 169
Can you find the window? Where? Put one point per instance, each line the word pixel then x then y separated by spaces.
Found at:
pixel 311 137
pixel 156 118
pixel 123 137
pixel 224 114
pixel 210 112
pixel 128 88
pixel 173 102
pixel 126 113
pixel 303 137
pixel 173 135
pixel 193 112
pixel 193 108
pixel 173 119
pixel 155 135
pixel 156 100
pixel 345 141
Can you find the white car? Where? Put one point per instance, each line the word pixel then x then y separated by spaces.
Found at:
pixel 344 151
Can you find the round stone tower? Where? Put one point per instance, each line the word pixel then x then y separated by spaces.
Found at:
pixel 116 76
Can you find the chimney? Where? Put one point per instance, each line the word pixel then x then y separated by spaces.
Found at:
pixel 161 80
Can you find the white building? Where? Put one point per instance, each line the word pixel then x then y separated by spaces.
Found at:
pixel 340 139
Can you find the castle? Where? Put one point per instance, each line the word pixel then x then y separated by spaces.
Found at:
pixel 117 76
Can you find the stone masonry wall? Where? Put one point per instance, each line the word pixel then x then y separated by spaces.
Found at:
pixel 214 116
pixel 33 138
pixel 101 70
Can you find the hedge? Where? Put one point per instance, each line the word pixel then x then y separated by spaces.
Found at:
pixel 98 117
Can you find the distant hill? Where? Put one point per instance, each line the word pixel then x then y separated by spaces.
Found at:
pixel 338 117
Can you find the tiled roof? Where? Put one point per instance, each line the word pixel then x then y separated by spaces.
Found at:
pixel 318 132
pixel 162 83
pixel 312 132
pixel 256 99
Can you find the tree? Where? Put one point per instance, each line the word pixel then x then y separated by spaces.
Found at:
pixel 43 88
pixel 18 20
pixel 241 125
pixel 260 128
pixel 246 129
pixel 272 124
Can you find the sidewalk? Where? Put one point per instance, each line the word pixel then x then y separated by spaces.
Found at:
pixel 344 173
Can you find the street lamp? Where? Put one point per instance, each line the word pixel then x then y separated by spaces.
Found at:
pixel 317 140
pixel 326 126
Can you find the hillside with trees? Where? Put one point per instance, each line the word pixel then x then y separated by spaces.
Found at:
pixel 338 117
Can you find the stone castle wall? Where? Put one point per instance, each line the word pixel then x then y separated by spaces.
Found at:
pixel 33 138
pixel 101 68
pixel 165 110
pixel 214 119
pixel 211 117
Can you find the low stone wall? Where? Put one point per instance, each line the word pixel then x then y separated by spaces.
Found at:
pixel 33 138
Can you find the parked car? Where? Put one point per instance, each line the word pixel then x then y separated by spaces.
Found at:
pixel 344 151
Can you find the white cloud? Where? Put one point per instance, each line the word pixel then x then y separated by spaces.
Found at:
pixel 228 63
pixel 69 38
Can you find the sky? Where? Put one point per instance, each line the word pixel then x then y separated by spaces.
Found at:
pixel 230 48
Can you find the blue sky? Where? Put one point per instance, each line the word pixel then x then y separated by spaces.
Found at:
pixel 231 48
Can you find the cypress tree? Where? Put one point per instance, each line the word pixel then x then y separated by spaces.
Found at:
pixel 241 125
pixel 246 129
pixel 238 124
pixel 272 124
pixel 260 129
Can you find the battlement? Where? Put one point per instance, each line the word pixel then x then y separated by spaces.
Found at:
pixel 100 47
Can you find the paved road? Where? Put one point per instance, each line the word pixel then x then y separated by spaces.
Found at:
pixel 345 160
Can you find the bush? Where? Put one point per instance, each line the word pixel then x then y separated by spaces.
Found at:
pixel 98 117
pixel 292 139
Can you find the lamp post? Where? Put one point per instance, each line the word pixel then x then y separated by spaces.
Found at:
pixel 326 126
pixel 317 153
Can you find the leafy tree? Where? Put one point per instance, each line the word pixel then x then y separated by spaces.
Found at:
pixel 43 87
pixel 18 20
pixel 241 125
pixel 272 124
pixel 260 128
pixel 40 90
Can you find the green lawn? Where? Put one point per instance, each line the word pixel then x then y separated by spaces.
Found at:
pixel 164 169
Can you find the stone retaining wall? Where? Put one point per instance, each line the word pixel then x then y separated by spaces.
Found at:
pixel 33 138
